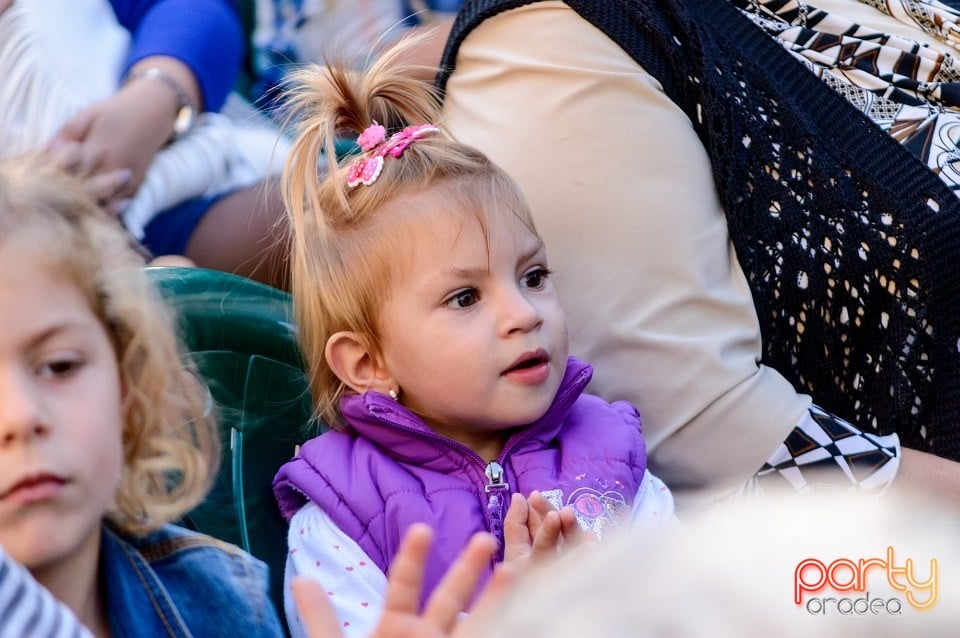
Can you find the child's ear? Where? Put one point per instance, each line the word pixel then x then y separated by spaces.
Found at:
pixel 349 358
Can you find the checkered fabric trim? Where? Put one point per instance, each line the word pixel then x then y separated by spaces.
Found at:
pixel 824 452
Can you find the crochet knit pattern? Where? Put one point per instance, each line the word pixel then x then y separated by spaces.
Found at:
pixel 847 240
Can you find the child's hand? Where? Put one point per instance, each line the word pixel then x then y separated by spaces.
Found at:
pixel 401 618
pixel 570 532
pixel 533 530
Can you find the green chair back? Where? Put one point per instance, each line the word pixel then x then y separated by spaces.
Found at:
pixel 242 337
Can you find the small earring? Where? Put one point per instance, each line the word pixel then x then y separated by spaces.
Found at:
pixel 394 394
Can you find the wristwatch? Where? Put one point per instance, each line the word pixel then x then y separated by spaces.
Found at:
pixel 186 109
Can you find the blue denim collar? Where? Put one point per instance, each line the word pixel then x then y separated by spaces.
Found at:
pixel 137 603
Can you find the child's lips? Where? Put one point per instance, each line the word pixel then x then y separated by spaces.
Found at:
pixel 34 487
pixel 532 375
pixel 529 359
pixel 531 368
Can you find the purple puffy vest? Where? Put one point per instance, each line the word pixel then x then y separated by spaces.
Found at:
pixel 390 471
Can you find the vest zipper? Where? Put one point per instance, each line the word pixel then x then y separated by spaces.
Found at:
pixel 497 490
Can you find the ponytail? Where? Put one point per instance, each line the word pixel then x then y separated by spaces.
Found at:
pixel 344 251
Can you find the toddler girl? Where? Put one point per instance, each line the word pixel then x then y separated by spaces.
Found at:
pixel 104 435
pixel 437 352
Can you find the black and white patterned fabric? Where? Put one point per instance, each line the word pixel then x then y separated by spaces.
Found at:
pixel 909 90
pixel 824 452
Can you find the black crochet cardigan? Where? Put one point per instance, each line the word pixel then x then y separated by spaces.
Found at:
pixel 850 244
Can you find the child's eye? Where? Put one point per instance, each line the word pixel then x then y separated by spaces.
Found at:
pixel 58 368
pixel 464 298
pixel 536 278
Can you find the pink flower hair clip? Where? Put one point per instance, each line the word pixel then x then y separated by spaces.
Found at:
pixel 366 170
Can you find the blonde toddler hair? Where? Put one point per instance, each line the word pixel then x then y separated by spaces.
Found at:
pixel 347 242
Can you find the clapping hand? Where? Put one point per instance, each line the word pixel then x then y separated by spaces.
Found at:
pixel 402 618
pixel 533 531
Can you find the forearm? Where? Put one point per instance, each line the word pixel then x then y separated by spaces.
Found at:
pixel 160 83
pixel 825 454
pixel 933 476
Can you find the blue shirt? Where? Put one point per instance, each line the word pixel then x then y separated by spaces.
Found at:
pixel 206 35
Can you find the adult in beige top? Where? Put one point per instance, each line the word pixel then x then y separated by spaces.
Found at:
pixel 655 298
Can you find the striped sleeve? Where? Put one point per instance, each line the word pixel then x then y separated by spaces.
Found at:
pixel 27 610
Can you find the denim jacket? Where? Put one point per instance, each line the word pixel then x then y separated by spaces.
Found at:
pixel 178 583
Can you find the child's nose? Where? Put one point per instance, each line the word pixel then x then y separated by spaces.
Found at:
pixel 519 314
pixel 22 416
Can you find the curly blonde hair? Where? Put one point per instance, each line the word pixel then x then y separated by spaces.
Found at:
pixel 170 440
pixel 347 242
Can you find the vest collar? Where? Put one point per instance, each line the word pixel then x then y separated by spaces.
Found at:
pixel 404 436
